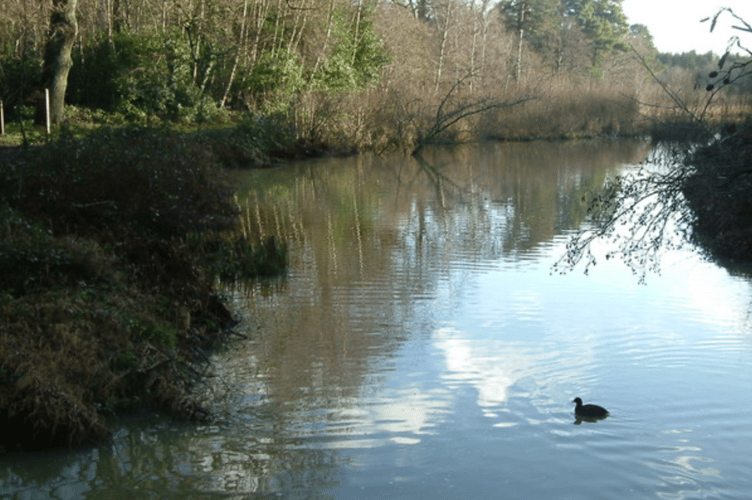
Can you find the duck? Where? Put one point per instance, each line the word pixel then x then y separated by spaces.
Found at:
pixel 589 411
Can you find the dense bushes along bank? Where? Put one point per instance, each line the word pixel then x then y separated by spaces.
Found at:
pixel 718 193
pixel 109 254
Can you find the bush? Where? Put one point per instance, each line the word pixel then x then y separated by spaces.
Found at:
pixel 140 76
pixel 148 182
pixel 105 304
pixel 274 81
pixel 17 79
pixel 357 57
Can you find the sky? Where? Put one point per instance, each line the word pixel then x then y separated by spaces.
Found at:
pixel 675 24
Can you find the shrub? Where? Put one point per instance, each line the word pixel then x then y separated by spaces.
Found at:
pixel 149 182
pixel 140 76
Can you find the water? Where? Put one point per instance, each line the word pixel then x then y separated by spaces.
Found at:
pixel 421 347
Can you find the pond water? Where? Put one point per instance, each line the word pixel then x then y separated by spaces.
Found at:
pixel 421 347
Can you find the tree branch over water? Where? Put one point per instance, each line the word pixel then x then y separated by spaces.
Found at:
pixel 690 195
pixel 640 213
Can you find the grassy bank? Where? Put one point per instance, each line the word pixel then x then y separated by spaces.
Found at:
pixel 381 118
pixel 110 250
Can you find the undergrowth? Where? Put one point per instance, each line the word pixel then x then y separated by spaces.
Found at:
pixel 107 282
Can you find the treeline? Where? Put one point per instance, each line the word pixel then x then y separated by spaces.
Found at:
pixel 363 73
pixel 690 60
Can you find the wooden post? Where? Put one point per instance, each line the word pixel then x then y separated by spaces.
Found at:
pixel 47 110
pixel 2 118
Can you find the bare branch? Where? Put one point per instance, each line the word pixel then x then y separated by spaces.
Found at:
pixel 445 119
pixel 675 96
pixel 641 213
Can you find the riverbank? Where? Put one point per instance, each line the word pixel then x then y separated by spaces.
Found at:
pixel 718 194
pixel 110 252
pixel 112 244
pixel 248 140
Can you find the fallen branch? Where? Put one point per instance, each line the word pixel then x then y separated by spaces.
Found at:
pixel 445 119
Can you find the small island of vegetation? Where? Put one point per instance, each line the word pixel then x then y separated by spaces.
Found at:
pixel 119 221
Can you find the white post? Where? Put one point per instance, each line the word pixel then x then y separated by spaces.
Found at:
pixel 47 110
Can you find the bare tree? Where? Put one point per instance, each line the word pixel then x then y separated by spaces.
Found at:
pixel 238 51
pixel 453 109
pixel 642 213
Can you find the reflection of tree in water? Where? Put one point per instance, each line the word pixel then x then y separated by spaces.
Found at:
pixel 523 195
pixel 372 236
pixel 471 190
pixel 395 226
pixel 174 460
pixel 643 213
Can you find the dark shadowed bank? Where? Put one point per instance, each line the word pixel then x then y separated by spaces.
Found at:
pixel 110 250
pixel 719 194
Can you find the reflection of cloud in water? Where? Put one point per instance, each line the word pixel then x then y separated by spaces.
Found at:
pixel 492 367
pixel 401 418
pixel 683 465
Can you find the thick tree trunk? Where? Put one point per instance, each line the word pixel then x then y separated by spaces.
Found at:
pixel 57 55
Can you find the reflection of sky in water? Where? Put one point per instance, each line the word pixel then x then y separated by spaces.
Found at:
pixel 447 368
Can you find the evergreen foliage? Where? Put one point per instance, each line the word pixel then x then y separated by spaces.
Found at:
pixel 18 75
pixel 356 58
pixel 275 80
pixel 688 60
pixel 603 22
pixel 542 21
pixel 140 76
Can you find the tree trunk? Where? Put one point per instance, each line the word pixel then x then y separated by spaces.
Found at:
pixel 521 31
pixel 238 52
pixel 57 54
pixel 442 49
pixel 322 53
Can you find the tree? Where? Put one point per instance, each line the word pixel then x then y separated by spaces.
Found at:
pixel 603 23
pixel 641 212
pixel 729 69
pixel 641 38
pixel 356 57
pixel 535 21
pixel 697 195
pixel 57 54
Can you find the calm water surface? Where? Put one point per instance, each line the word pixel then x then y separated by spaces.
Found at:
pixel 421 347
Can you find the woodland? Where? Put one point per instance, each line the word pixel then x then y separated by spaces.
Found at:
pixel 353 76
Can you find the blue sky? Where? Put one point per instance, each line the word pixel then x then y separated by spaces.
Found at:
pixel 675 24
